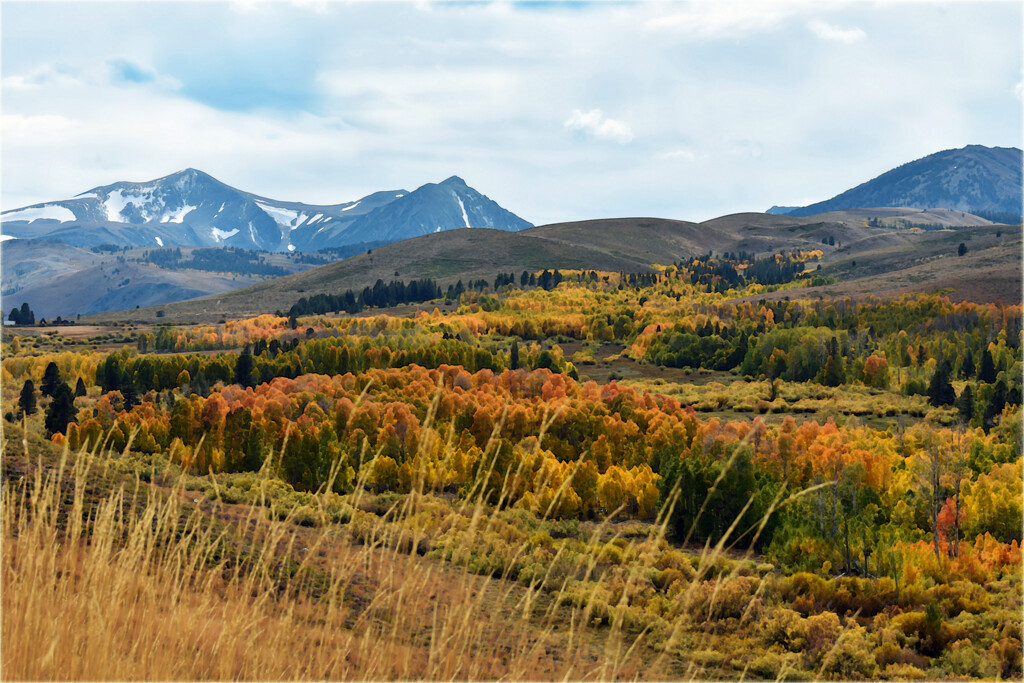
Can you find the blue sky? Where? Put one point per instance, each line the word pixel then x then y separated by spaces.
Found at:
pixel 558 111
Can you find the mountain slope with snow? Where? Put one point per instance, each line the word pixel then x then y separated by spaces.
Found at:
pixel 191 208
pixel 432 208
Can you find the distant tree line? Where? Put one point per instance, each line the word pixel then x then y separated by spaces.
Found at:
pixel 1004 217
pixel 214 259
pixel 22 316
pixel 331 254
pixel 379 296
pixel 736 269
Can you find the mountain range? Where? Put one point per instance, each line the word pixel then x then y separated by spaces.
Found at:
pixel 116 247
pixel 985 181
pixel 192 208
pixel 865 259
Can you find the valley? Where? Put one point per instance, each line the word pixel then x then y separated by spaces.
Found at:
pixel 623 472
pixel 758 446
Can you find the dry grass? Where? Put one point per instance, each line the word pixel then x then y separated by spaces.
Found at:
pixel 133 580
pixel 137 583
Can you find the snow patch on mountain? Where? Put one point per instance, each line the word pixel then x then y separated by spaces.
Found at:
pixel 192 209
pixel 219 234
pixel 52 212
pixel 117 200
pixel 159 241
pixel 463 207
pixel 286 218
pixel 177 216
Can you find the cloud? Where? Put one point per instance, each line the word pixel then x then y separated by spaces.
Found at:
pixel 130 72
pixel 725 18
pixel 51 74
pixel 329 107
pixel 827 31
pixel 681 153
pixel 594 124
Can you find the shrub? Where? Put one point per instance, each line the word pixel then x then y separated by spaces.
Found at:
pixel 1006 652
pixel 822 632
pixel 963 658
pixel 851 657
pixel 306 515
pixel 903 672
pixel 666 577
pixel 770 665
pixel 785 627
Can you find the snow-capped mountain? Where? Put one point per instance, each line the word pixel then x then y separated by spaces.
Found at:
pixel 191 208
pixel 435 208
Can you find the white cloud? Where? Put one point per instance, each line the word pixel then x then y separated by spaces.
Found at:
pixel 594 124
pixel 703 92
pixel 49 74
pixel 725 18
pixel 41 126
pixel 827 31
pixel 673 154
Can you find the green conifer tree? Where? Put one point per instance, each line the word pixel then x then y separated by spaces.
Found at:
pixel 51 378
pixel 28 398
pixel 61 410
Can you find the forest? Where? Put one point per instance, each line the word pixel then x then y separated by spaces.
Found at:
pixel 692 477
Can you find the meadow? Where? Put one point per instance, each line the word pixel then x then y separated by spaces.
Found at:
pixel 573 474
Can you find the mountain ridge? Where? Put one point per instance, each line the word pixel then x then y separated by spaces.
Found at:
pixel 625 245
pixel 972 179
pixel 192 208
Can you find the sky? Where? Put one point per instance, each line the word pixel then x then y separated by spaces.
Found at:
pixel 558 111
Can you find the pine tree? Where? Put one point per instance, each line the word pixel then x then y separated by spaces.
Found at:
pixel 940 391
pixel 27 316
pixel 514 360
pixel 61 410
pixel 965 404
pixel 987 372
pixel 834 372
pixel 967 369
pixel 51 378
pixel 243 368
pixel 28 398
pixel 80 388
pixel 130 393
pixel 995 405
pixel 111 379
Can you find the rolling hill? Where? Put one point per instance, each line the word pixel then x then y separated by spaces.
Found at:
pixel 859 252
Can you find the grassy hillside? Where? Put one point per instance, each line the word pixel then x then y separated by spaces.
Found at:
pixel 643 477
pixel 872 236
